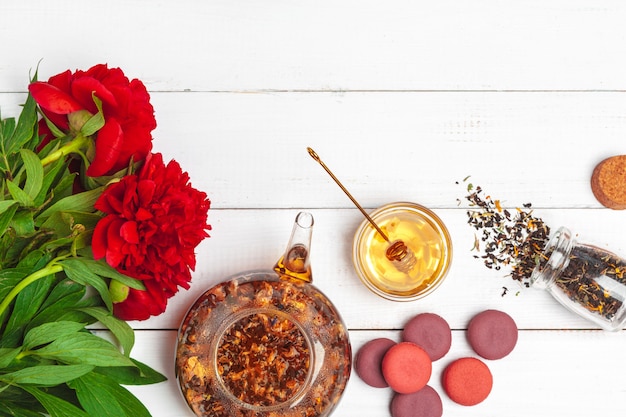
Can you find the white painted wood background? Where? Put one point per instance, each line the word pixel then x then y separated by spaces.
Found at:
pixel 401 98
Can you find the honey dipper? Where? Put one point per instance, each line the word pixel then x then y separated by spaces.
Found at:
pixel 398 252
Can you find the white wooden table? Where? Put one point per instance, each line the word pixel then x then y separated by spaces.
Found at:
pixel 401 98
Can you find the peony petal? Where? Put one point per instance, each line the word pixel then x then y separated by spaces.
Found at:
pixel 62 81
pixel 114 258
pixel 108 142
pixel 110 201
pixel 143 214
pixel 53 99
pixel 139 305
pixel 99 238
pixel 145 190
pixel 129 232
pixel 114 243
pixel 84 87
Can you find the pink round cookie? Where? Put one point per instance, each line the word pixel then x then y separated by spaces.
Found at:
pixel 431 332
pixel 406 367
pixel 423 403
pixel 467 381
pixel 368 361
pixel 492 334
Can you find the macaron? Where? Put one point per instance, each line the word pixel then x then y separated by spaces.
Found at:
pixel 423 403
pixel 431 332
pixel 467 381
pixel 406 367
pixel 492 334
pixel 368 361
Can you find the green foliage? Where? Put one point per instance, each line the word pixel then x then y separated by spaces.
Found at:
pixel 51 288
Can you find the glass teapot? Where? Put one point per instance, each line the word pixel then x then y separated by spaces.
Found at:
pixel 265 343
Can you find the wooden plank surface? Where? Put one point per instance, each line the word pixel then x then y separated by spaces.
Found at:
pixel 403 100
pixel 325 44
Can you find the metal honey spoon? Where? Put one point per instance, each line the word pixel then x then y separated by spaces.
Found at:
pixel 398 252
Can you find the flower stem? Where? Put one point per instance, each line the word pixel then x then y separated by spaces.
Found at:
pixel 51 268
pixel 77 145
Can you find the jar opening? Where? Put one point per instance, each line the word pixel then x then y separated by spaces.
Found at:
pixel 553 258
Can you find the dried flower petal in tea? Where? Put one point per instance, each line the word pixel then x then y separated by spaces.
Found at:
pixel 263 359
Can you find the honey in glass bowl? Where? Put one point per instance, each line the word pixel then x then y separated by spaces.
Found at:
pixel 425 236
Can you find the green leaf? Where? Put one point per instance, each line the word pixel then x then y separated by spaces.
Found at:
pixel 96 121
pixel 6 217
pixel 64 187
pixel 6 204
pixel 26 305
pixel 7 127
pixel 77 271
pixel 7 355
pixel 64 222
pixel 77 202
pixel 142 374
pixel 23 223
pixel 101 396
pixel 14 410
pixel 56 132
pixel 65 296
pixel 48 332
pixel 35 260
pixel 120 329
pixel 62 290
pixel 83 348
pixel 9 278
pixel 46 375
pixel 55 406
pixel 34 173
pixel 19 195
pixel 25 126
pixel 50 176
pixel 105 270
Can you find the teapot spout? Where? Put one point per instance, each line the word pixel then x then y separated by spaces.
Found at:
pixel 295 261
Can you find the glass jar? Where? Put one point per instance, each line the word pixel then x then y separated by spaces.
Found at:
pixel 586 279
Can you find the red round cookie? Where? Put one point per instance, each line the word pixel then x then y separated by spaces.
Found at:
pixel 431 332
pixel 406 367
pixel 368 361
pixel 467 381
pixel 492 334
pixel 423 403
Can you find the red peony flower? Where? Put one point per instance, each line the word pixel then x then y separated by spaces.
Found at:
pixel 153 222
pixel 129 116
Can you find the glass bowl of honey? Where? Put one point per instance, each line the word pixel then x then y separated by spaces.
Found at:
pixel 425 237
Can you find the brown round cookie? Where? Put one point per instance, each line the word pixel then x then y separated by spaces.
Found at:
pixel 492 334
pixel 608 182
pixel 368 361
pixel 431 332
pixel 423 403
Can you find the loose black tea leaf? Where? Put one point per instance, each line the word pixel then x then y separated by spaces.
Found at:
pixel 591 277
pixel 514 240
